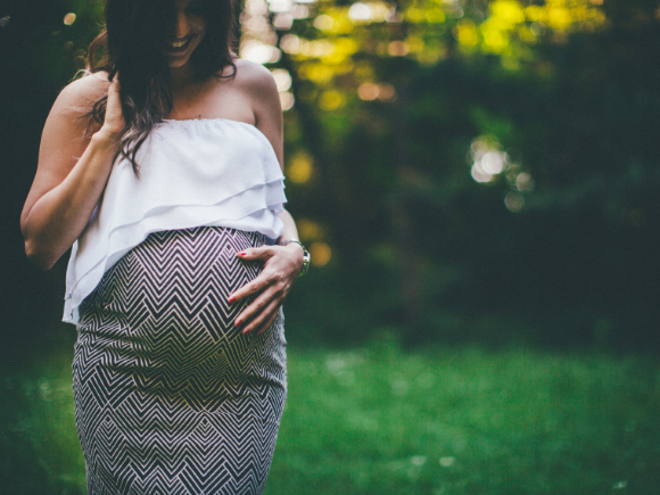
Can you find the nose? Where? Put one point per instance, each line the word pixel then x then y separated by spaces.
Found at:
pixel 181 26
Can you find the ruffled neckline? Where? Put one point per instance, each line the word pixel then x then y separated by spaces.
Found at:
pixel 215 120
pixel 207 119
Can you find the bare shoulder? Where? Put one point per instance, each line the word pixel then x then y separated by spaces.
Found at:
pixel 79 96
pixel 67 131
pixel 257 83
pixel 253 76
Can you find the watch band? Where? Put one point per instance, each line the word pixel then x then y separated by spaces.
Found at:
pixel 306 256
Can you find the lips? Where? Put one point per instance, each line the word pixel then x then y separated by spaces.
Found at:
pixel 179 46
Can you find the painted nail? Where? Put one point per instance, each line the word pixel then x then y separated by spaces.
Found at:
pixel 238 323
pixel 242 254
pixel 231 299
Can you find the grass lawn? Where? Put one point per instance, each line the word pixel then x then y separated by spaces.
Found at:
pixel 375 420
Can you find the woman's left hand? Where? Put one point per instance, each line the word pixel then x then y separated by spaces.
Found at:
pixel 282 264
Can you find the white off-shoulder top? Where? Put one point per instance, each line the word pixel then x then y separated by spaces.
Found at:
pixel 192 173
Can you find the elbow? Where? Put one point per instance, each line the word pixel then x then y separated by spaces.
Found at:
pixel 40 258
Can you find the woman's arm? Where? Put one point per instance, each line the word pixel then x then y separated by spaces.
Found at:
pixel 282 264
pixel 72 170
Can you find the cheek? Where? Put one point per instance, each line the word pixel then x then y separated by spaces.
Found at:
pixel 199 24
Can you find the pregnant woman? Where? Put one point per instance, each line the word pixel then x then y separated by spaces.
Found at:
pixel 162 169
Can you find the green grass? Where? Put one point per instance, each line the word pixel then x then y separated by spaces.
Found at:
pixel 376 420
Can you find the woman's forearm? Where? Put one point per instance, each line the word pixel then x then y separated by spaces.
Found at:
pixel 57 218
pixel 290 231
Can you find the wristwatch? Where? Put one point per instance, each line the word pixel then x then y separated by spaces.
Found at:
pixel 306 256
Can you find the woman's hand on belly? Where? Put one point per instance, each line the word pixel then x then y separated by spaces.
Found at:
pixel 281 267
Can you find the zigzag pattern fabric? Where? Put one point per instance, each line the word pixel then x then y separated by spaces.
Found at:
pixel 170 397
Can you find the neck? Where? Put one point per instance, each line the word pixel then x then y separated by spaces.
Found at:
pixel 182 76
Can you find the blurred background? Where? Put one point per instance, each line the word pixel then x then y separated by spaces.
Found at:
pixel 473 175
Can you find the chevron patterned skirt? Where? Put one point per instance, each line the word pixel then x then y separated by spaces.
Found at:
pixel 170 398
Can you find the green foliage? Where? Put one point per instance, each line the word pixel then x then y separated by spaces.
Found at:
pixel 377 420
pixel 565 91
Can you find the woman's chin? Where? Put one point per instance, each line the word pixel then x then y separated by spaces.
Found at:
pixel 176 63
pixel 177 60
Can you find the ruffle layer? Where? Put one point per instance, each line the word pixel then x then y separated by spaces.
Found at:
pixel 193 173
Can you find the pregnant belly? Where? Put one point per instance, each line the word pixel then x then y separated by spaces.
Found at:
pixel 161 313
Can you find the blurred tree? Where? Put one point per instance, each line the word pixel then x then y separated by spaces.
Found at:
pixel 389 98
pixel 41 48
pixel 460 168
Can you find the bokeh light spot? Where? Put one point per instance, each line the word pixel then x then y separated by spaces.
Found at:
pixel 70 18
pixel 514 202
pixel 319 73
pixel 479 175
pixel 300 12
pixel 259 53
pixel 487 160
pixel 321 253
pixel 300 168
pixel 287 100
pixel 359 12
pixel 256 7
pixel 283 22
pixel 387 92
pixel 290 43
pixel 309 230
pixel 397 49
pixel 466 33
pixel 279 6
pixel 282 79
pixel 331 100
pixel 525 182
pixel 368 91
pixel 492 162
pixel 324 23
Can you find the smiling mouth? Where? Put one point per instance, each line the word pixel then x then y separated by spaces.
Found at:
pixel 179 46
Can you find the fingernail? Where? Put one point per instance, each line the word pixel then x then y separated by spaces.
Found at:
pixel 238 323
pixel 231 299
pixel 245 331
pixel 242 254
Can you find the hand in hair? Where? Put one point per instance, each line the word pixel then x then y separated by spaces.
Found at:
pixel 114 122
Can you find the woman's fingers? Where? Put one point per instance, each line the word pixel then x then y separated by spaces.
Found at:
pixel 114 117
pixel 263 319
pixel 259 283
pixel 256 254
pixel 259 305
pixel 270 288
pixel 253 287
pixel 249 312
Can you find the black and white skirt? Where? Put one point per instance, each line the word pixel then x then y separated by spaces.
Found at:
pixel 170 397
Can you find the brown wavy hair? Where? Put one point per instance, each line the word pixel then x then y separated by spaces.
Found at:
pixel 132 44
